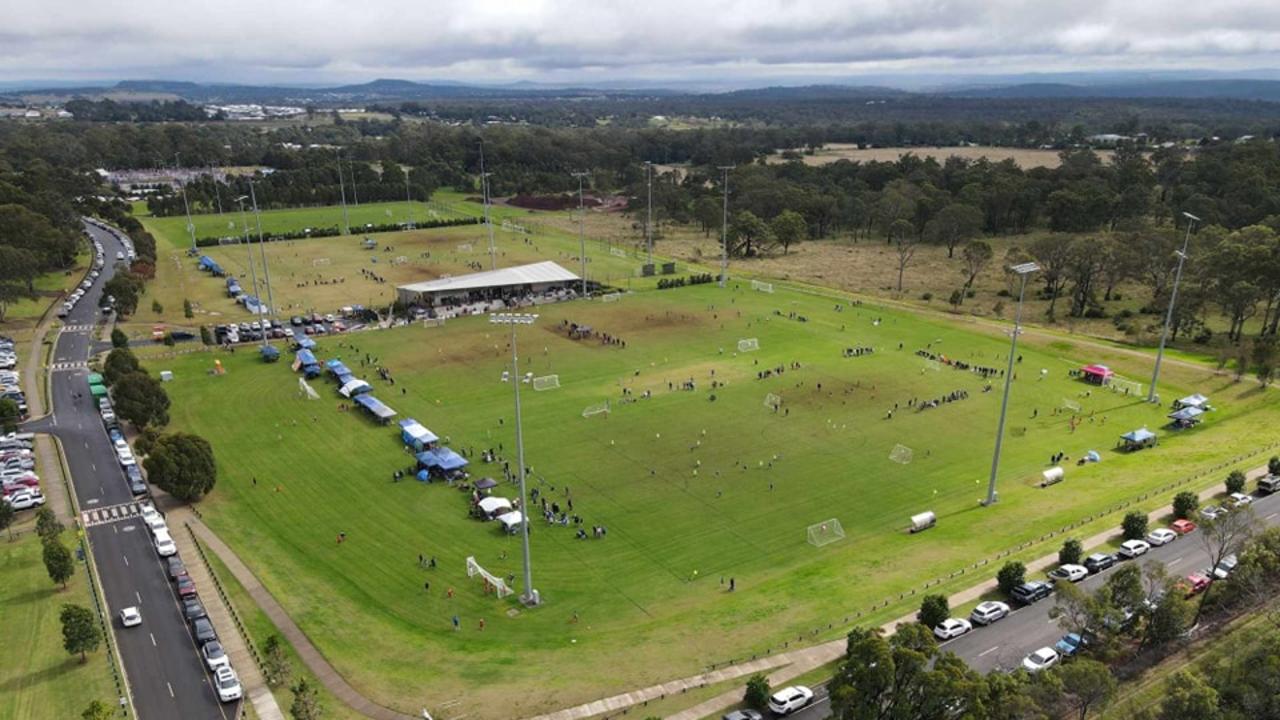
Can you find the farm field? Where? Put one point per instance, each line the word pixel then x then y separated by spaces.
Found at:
pixel 693 486
pixel 1026 158
pixel 38 678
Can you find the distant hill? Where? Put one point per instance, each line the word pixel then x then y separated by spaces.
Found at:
pixel 1268 90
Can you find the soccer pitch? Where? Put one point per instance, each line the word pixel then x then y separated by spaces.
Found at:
pixel 692 489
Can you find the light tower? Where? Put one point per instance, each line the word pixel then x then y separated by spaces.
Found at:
pixel 1173 299
pixel 582 228
pixel 1023 270
pixel 724 228
pixel 530 596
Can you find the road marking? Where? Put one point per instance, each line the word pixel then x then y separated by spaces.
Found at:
pixel 1173 562
pixel 1271 515
pixel 126 559
pixel 988 651
pixel 169 686
pixel 93 501
pixel 138 595
pixel 153 639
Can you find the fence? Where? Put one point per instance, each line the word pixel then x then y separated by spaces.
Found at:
pixel 969 569
pixel 226 601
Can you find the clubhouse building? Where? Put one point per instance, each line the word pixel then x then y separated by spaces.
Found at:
pixel 522 284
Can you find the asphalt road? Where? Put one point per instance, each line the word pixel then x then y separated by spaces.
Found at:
pixel 166 675
pixel 1003 645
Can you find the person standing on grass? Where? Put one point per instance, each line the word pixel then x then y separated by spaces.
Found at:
pixel 457 623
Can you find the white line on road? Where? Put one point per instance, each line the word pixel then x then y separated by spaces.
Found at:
pixel 170 689
pixel 1271 515
pixel 153 639
pixel 1173 562
pixel 988 651
pixel 138 595
pixel 126 559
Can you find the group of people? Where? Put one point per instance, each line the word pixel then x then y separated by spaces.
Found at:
pixel 793 315
pixel 857 351
pixel 322 281
pixel 981 370
pixel 371 275
pixel 765 374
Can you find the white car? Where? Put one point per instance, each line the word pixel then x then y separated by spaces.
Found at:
pixel 1134 548
pixel 1069 573
pixel 214 656
pixel 1239 500
pixel 989 612
pixel 1042 659
pixel 1161 536
pixel 790 699
pixel 130 617
pixel 227 683
pixel 164 544
pixel 952 628
pixel 148 511
pixel 25 500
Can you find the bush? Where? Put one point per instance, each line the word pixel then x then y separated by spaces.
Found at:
pixel 187 312
pixel 1184 504
pixel 206 335
pixel 933 610
pixel 1011 576
pixel 1134 525
pixel 927 296
pixel 10 414
pixel 1071 552
pixel 757 694
pixel 119 339
pixel 1273 465
pixel 970 293
pixel 1235 481
pixel 156 307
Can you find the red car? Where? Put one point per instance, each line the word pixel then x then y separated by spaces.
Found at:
pixel 186 587
pixel 1182 527
pixel 1194 584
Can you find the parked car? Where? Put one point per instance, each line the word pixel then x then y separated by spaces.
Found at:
pixel 1070 644
pixel 1269 484
pixel 214 656
pixel 1194 584
pixel 745 714
pixel 952 628
pixel 1239 500
pixel 1212 512
pixel 227 683
pixel 130 617
pixel 1042 659
pixel 988 612
pixel 203 630
pixel 191 608
pixel 177 568
pixel 1182 527
pixel 1069 573
pixel 1161 536
pixel 164 544
pixel 790 699
pixel 186 586
pixel 1031 591
pixel 1098 562
pixel 25 500
pixel 1225 566
pixel 1134 548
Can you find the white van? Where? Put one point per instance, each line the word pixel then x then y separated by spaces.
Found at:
pixel 164 543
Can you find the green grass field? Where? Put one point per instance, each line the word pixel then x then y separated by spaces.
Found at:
pixel 38 678
pixel 691 489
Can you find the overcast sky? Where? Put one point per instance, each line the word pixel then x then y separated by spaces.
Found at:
pixel 299 41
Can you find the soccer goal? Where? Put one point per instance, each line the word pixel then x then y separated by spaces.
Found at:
pixel 318 262
pixel 1072 405
pixel 433 322
pixel 933 365
pixel 498 584
pixel 546 382
pixel 748 344
pixel 618 252
pixel 773 402
pixel 305 390
pixel 761 286
pixel 592 410
pixel 611 297
pixel 1125 386
pixel 825 532
pixel 465 248
pixel 900 454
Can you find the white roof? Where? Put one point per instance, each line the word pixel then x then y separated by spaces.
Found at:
pixel 512 518
pixel 543 272
pixel 1196 400
pixel 491 504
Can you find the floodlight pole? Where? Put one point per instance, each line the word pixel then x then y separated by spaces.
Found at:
pixel 1023 271
pixel 1173 298
pixel 488 221
pixel 648 223
pixel 191 228
pixel 530 596
pixel 217 195
pixel 408 198
pixel 582 229
pixel 248 250
pixel 724 229
pixel 342 188
pixel 355 192
pixel 262 249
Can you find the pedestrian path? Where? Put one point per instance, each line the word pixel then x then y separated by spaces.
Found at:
pixel 109 514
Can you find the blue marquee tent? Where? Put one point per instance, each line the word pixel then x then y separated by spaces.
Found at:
pixel 337 368
pixel 305 343
pixel 375 407
pixel 442 458
pixel 415 435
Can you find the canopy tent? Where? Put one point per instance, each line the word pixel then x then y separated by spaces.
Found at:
pixel 207 263
pixel 269 353
pixel 306 357
pixel 486 484
pixel 415 435
pixel 1197 401
pixel 1096 374
pixel 375 407
pixel 98 391
pixel 494 506
pixel 442 458
pixel 95 379
pixel 337 367
pixel 1186 417
pixel 512 522
pixel 304 343
pixel 354 388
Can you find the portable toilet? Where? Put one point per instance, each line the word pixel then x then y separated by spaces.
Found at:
pixel 923 521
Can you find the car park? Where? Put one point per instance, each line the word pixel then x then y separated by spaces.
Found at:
pixel 130 617
pixel 1070 644
pixel 790 699
pixel 1031 591
pixel 988 612
pixel 1098 562
pixel 25 500
pixel 1182 527
pixel 202 629
pixel 214 656
pixel 1042 659
pixel 952 628
pixel 228 684
pixel 1239 500
pixel 1161 536
pixel 1225 566
pixel 1069 573
pixel 1134 548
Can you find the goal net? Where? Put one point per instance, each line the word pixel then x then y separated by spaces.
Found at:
pixel 599 409
pixel 433 322
pixel 611 297
pixel 465 248
pixel 825 532
pixel 319 262
pixel 1072 405
pixel 546 382
pixel 305 390
pixel 748 344
pixel 933 365
pixel 1125 386
pixel 773 402
pixel 498 585
pixel 618 252
pixel 900 454
pixel 761 286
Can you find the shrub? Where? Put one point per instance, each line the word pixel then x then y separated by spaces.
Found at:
pixel 933 610
pixel 1235 481
pixel 1071 552
pixel 1011 576
pixel 187 312
pixel 156 307
pixel 1184 504
pixel 1273 465
pixel 1134 525
pixel 119 339
pixel 757 694
pixel 927 296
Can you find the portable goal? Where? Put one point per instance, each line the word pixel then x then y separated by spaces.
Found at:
pixel 546 382
pixel 825 532
pixel 773 402
pixel 761 286
pixel 1125 386
pixel 748 345
pixel 1072 405
pixel 305 390
pixel 611 297
pixel 319 262
pixel 618 252
pixel 433 322
pixel 499 585
pixel 900 454
pixel 599 409
pixel 465 248
pixel 933 365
